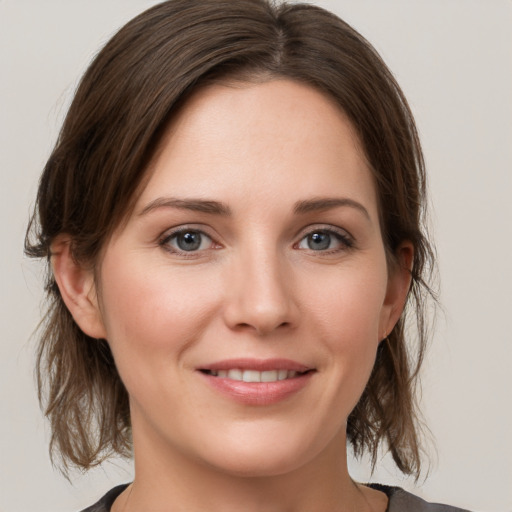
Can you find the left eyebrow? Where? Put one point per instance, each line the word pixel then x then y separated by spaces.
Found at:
pixel 328 203
pixel 196 205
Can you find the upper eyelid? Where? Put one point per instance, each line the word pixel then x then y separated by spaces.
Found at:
pixel 324 227
pixel 165 238
pixel 211 233
pixel 169 232
pixel 164 242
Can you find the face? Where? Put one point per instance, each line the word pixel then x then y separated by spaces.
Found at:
pixel 245 297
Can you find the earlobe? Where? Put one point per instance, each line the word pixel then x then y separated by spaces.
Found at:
pixel 77 288
pixel 399 283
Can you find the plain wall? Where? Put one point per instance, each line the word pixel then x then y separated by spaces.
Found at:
pixel 453 59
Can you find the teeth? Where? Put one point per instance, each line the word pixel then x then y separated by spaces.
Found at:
pixel 251 376
pixel 269 376
pixel 254 375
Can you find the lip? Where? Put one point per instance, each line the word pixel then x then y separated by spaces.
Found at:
pixel 257 393
pixel 260 365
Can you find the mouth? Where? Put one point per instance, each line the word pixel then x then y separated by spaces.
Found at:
pixel 257 381
pixel 251 375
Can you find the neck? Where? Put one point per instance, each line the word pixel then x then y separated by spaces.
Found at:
pixel 166 479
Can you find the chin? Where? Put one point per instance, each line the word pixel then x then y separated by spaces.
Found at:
pixel 260 466
pixel 269 456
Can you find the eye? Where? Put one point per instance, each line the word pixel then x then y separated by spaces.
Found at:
pixel 187 240
pixel 325 240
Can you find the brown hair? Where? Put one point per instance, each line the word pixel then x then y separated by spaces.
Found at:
pixel 121 109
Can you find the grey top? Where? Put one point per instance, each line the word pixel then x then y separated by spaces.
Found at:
pixel 399 501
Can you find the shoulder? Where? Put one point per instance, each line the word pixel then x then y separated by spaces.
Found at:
pixel 399 501
pixel 105 504
pixel 403 501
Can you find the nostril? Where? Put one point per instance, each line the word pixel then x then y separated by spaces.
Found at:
pixel 260 327
pixel 258 309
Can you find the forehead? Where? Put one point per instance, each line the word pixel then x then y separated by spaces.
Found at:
pixel 249 139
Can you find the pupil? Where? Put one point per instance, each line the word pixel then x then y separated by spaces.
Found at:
pixel 189 241
pixel 319 241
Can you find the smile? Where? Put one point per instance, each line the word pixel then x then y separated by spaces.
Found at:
pixel 254 375
pixel 257 382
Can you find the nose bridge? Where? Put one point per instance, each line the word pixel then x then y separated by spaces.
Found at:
pixel 261 296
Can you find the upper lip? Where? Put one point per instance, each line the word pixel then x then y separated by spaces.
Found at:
pixel 257 364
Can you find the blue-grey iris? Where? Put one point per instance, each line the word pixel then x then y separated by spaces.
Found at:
pixel 189 241
pixel 319 241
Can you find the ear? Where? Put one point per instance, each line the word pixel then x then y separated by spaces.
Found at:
pixel 399 283
pixel 77 288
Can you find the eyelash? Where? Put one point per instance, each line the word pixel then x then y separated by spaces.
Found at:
pixel 346 241
pixel 164 242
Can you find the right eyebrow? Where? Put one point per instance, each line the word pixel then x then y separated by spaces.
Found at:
pixel 196 205
pixel 328 203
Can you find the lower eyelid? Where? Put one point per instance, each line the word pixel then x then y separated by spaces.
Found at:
pixel 344 238
pixel 165 240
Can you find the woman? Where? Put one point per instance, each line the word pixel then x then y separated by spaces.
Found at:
pixel 233 217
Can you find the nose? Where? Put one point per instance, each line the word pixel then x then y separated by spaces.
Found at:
pixel 260 295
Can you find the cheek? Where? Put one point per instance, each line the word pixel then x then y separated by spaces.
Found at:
pixel 347 316
pixel 350 301
pixel 151 315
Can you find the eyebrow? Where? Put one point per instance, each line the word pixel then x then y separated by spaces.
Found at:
pixel 219 208
pixel 328 203
pixel 196 205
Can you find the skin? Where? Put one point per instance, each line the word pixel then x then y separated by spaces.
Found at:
pixel 256 287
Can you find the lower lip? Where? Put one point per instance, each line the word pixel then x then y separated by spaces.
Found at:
pixel 258 393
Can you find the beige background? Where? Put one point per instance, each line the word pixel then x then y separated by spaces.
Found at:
pixel 453 59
